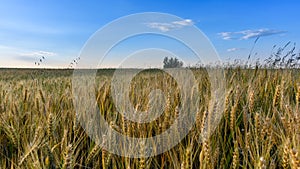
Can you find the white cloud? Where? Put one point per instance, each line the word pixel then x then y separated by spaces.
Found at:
pixel 186 22
pixel 225 35
pixel 33 56
pixel 249 34
pixel 164 27
pixel 233 49
pixel 38 53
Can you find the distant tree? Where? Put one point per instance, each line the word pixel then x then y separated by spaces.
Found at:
pixel 172 63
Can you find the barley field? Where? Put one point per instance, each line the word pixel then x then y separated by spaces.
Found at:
pixel 259 128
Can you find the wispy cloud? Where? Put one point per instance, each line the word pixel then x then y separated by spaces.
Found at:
pixel 33 56
pixel 249 34
pixel 38 53
pixel 165 27
pixel 233 49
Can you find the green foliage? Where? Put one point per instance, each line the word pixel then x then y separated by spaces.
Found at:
pixel 172 63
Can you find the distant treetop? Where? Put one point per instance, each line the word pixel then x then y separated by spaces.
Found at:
pixel 172 63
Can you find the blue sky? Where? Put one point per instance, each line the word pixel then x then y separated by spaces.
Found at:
pixel 30 29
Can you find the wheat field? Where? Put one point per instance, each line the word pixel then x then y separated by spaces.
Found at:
pixel 259 128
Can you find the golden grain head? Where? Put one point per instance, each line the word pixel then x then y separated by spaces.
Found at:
pixel 39 127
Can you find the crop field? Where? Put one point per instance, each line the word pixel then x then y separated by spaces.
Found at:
pixel 259 127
